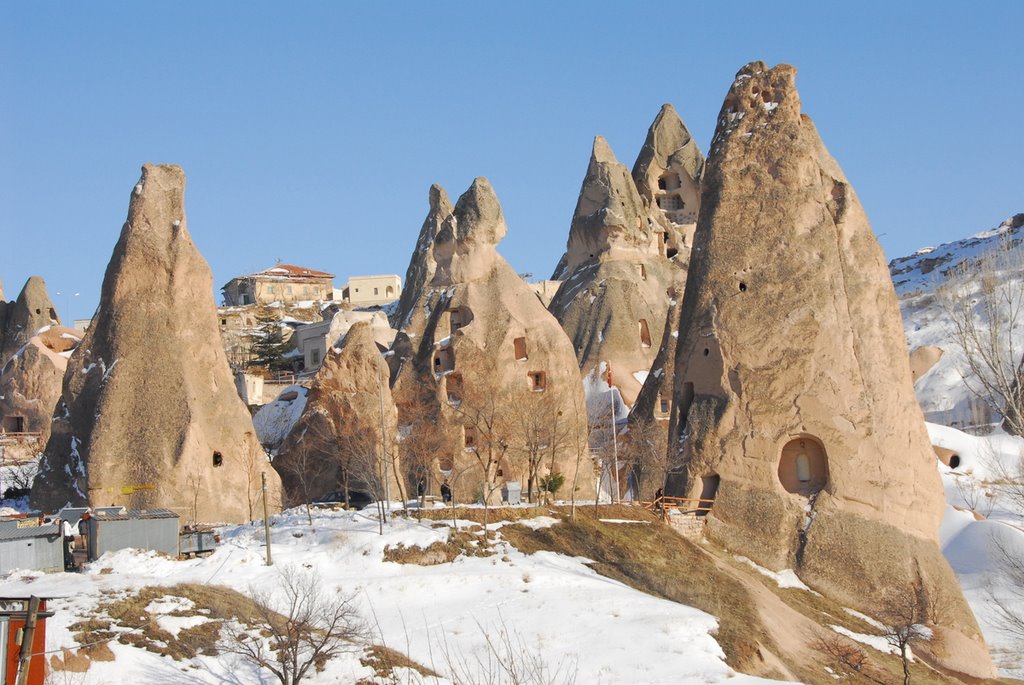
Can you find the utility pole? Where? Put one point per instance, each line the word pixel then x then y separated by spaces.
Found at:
pixel 27 638
pixel 615 440
pixel 266 517
pixel 384 441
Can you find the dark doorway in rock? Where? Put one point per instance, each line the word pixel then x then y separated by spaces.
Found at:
pixel 14 424
pixel 954 461
pixel 708 491
pixel 685 400
pixel 218 459
pixel 803 466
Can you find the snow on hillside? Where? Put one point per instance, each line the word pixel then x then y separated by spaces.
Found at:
pixel 941 392
pixel 549 605
pixel 971 543
pixel 273 421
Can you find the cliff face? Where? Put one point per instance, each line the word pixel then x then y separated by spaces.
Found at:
pixel 793 401
pixel 148 398
pixel 488 361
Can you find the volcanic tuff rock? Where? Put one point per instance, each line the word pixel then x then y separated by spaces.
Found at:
pixel 614 301
pixel 30 382
pixel 148 398
pixel 420 273
pixel 337 440
pixel 488 359
pixel 25 316
pixel 667 173
pixel 794 408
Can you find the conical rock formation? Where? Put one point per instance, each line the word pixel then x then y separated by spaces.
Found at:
pixel 420 273
pixel 342 438
pixel 613 302
pixel 667 174
pixel 24 317
pixel 794 408
pixel 148 398
pixel 489 360
pixel 30 382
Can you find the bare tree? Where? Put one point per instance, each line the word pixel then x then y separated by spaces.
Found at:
pixel 305 630
pixel 421 443
pixel 1006 588
pixel 485 413
pixel 983 302
pixel 254 461
pixel 362 462
pixel 539 431
pixel 644 453
pixel 505 660
pixel 907 612
pixel 844 656
pixel 309 467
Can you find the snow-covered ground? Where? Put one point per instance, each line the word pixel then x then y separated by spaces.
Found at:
pixel 970 543
pixel 551 606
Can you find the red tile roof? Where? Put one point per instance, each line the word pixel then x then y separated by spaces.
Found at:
pixel 292 271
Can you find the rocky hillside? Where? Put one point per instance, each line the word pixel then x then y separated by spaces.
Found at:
pixel 938 364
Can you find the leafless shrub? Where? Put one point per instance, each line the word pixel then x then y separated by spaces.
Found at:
pixel 506 659
pixel 305 630
pixel 1006 589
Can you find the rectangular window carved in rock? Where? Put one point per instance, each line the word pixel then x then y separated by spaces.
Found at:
pixel 520 349
pixel 538 380
pixel 645 334
pixel 469 437
pixel 444 361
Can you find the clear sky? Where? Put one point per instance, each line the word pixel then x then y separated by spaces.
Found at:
pixel 310 131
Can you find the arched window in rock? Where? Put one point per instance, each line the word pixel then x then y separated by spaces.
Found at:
pixel 803 466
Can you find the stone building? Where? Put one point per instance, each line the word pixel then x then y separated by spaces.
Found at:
pixel 368 291
pixel 284 283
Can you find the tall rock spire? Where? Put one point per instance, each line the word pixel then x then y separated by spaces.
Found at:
pixel 148 398
pixel 793 407
pixel 614 300
pixel 667 174
pixel 487 347
pixel 24 317
pixel 422 266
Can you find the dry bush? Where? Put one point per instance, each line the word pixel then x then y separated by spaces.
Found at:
pixel 384 660
pixel 436 553
pixel 214 602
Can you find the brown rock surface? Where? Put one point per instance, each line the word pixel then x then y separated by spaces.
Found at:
pixel 148 398
pixel 490 353
pixel 25 316
pixel 337 440
pixel 30 382
pixel 922 359
pixel 794 407
pixel 420 273
pixel 613 301
pixel 667 173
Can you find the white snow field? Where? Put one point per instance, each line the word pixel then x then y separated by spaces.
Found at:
pixel 579 623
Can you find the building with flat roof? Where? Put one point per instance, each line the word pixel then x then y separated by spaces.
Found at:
pixel 367 291
pixel 284 283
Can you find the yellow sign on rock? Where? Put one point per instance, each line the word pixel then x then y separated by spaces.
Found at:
pixel 130 489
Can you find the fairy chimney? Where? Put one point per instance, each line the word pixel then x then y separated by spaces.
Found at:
pixel 420 273
pixel 613 301
pixel 794 409
pixel 30 382
pixel 489 360
pixel 667 174
pixel 24 317
pixel 343 440
pixel 149 416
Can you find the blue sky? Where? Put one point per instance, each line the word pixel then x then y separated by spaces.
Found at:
pixel 310 132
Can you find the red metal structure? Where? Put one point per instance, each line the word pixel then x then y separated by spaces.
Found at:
pixel 14 615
